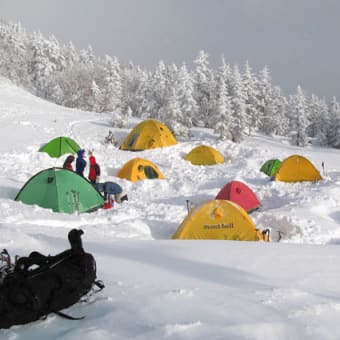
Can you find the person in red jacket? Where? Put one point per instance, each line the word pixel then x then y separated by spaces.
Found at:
pixel 94 171
pixel 68 162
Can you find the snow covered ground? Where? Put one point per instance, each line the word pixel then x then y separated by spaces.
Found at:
pixel 158 288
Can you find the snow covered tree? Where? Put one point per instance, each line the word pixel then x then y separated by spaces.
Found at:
pixel 318 118
pixel 322 132
pixel 46 59
pixel 75 87
pixel 143 103
pixel 112 89
pixel 133 78
pixel 274 120
pixel 186 101
pixel 76 78
pixel 264 92
pixel 251 89
pixel 333 131
pixel 299 122
pixel 203 89
pixel 96 98
pixel 172 116
pixel 224 118
pixel 14 57
pixel 86 56
pixel 238 107
pixel 158 92
pixel 40 67
pixel 71 55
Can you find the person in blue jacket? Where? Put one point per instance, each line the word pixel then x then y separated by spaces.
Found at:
pixel 80 162
pixel 111 188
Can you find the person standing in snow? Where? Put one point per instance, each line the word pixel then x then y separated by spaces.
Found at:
pixel 80 162
pixel 94 171
pixel 68 162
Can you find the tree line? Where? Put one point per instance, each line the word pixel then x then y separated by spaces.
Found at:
pixel 234 101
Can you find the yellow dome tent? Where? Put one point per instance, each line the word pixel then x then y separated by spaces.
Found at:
pixel 204 155
pixel 297 169
pixel 138 169
pixel 148 134
pixel 218 220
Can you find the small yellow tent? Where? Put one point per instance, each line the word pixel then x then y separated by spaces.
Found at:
pixel 204 155
pixel 138 169
pixel 218 220
pixel 297 169
pixel 148 134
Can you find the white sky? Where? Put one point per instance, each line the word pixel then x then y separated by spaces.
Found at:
pixel 297 39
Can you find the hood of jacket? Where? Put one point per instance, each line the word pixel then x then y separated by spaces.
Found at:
pixel 92 160
pixel 81 153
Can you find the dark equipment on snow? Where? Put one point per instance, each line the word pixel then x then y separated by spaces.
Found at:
pixel 37 285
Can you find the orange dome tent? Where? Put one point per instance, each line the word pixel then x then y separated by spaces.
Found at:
pixel 218 220
pixel 138 169
pixel 148 134
pixel 204 155
pixel 297 169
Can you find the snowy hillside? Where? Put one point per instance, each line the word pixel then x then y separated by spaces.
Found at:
pixel 158 288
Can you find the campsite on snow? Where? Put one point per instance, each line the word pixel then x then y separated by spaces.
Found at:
pixel 230 227
pixel 148 276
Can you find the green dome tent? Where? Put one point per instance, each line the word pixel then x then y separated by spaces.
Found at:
pixel 60 190
pixel 270 167
pixel 60 146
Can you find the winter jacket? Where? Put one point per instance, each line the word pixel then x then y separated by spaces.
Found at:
pixel 80 162
pixel 68 163
pixel 68 166
pixel 94 172
pixel 110 188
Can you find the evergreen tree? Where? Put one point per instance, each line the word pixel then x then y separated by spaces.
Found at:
pixel 186 101
pixel 264 92
pixel 173 116
pixel 333 131
pixel 203 89
pixel 158 92
pixel 322 132
pixel 132 81
pixel 96 99
pixel 224 119
pixel 71 55
pixel 86 56
pixel 238 107
pixel 75 83
pixel 143 96
pixel 274 120
pixel 112 90
pixel 40 66
pixel 251 89
pixel 14 60
pixel 76 78
pixel 319 120
pixel 299 122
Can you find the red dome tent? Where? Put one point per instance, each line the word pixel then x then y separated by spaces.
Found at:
pixel 240 194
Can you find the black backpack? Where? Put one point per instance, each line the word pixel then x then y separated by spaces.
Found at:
pixel 38 285
pixel 97 169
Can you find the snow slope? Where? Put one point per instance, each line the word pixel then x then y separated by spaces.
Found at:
pixel 157 288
